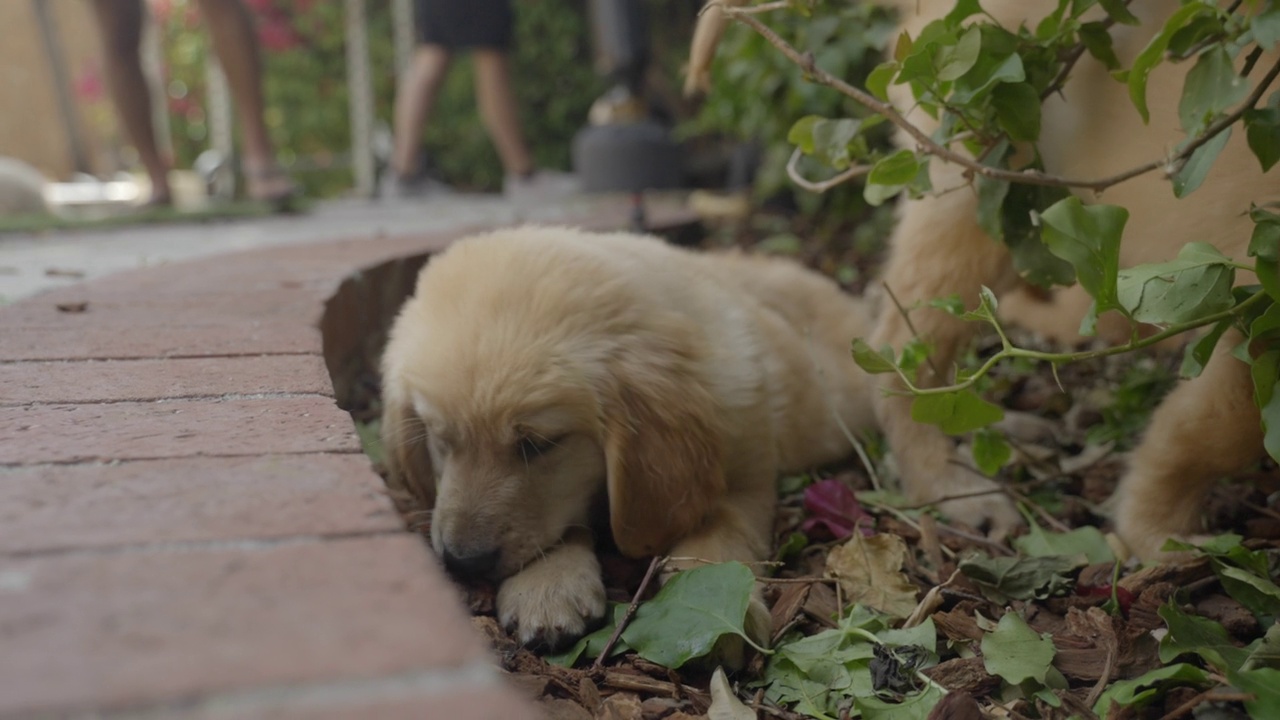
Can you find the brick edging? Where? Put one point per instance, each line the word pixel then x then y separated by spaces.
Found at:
pixel 187 526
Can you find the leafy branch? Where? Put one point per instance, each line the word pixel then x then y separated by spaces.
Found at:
pixel 928 146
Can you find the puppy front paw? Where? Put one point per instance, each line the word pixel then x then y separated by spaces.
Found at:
pixel 553 601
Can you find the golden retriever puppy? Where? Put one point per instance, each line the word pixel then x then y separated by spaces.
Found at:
pixel 536 371
pixel 1208 427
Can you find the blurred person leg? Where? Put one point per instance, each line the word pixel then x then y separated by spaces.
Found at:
pixel 120 22
pixel 415 97
pixel 233 34
pixel 497 102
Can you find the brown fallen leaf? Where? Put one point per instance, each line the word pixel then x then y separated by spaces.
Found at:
pixel 964 676
pixel 561 709
pixel 620 706
pixel 72 307
pixel 870 573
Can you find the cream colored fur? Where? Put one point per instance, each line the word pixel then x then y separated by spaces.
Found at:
pixel 1208 427
pixel 676 384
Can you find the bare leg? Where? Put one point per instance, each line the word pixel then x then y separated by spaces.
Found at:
pixel 498 109
pixel 121 24
pixel 232 31
pixel 415 97
pixel 1207 428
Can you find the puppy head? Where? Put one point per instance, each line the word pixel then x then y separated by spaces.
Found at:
pixel 509 400
pixel 510 457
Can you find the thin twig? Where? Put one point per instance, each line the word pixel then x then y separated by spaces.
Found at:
pixel 598 665
pixel 906 317
pixel 1105 679
pixel 928 146
pixel 1210 695
pixel 793 172
pixel 1069 61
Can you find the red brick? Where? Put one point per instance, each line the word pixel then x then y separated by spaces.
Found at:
pixel 117 380
pixel 117 630
pixel 181 428
pixel 157 502
pixel 133 338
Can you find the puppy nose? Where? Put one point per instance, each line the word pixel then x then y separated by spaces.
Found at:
pixel 473 565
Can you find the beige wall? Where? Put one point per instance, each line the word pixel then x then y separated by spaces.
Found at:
pixel 31 127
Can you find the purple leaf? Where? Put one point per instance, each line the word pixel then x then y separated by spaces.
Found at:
pixel 834 510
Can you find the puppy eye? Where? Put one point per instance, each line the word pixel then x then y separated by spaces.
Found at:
pixel 533 446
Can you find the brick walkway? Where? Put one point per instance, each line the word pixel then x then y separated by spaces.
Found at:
pixel 188 528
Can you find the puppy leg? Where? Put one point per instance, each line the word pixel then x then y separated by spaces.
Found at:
pixel 1206 428
pixel 740 529
pixel 938 250
pixel 555 599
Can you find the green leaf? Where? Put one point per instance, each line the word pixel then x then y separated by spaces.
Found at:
pixel 1142 689
pixel 1015 652
pixel 1198 353
pixel 1211 87
pixel 871 361
pixel 1196 284
pixel 915 707
pixel 986 310
pixel 1097 40
pixel 1017 107
pixel 998 63
pixel 831 140
pixel 962 11
pixel 1257 593
pixel 591 645
pixel 691 612
pixel 1088 237
pixel 1265 371
pixel 1086 540
pixel 1265 246
pixel 878 80
pixel 955 412
pixel 1266 654
pixel 1153 54
pixel 1118 11
pixel 990 450
pixel 954 61
pixel 818 673
pixel 1196 168
pixel 890 175
pixel 1264 685
pixel 1021 233
pixel 1266 27
pixel 951 304
pixel 1022 578
pixel 1198 636
pixel 801 133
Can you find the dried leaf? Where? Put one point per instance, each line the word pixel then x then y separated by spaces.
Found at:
pixel 870 573
pixel 724 704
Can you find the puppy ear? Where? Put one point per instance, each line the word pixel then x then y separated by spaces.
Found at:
pixel 664 451
pixel 410 480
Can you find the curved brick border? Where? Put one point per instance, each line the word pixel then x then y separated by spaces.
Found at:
pixel 187 525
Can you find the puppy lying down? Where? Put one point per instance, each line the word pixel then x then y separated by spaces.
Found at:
pixel 536 369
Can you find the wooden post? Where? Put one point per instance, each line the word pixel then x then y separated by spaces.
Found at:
pixel 360 87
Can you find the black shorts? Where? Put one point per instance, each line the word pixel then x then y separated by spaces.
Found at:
pixel 465 23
